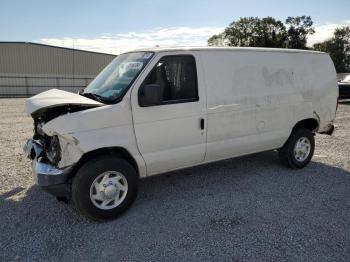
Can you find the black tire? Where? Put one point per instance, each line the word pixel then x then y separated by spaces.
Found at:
pixel 85 177
pixel 286 153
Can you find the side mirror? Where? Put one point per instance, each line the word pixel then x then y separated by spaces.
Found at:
pixel 150 95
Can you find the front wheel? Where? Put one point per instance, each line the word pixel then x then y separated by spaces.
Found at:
pixel 299 149
pixel 104 187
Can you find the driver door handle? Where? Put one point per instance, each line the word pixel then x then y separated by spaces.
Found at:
pixel 202 123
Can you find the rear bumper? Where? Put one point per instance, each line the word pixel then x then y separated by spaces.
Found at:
pixel 329 130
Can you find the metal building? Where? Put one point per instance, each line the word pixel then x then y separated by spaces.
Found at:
pixel 30 68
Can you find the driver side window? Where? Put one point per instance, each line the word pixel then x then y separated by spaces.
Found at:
pixel 177 78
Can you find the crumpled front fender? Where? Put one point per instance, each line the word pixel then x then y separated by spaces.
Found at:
pixel 70 151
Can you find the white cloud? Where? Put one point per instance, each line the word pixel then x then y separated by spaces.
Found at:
pixel 164 37
pixel 118 43
pixel 324 32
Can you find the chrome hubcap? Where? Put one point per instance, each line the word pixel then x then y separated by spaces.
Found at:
pixel 108 190
pixel 302 149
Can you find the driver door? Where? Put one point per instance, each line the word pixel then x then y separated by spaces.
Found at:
pixel 172 134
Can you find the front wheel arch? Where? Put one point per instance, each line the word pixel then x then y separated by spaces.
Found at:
pixel 118 152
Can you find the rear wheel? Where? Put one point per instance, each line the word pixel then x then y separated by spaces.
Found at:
pixel 104 188
pixel 299 149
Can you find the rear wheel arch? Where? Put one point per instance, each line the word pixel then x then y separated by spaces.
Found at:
pixel 310 123
pixel 299 148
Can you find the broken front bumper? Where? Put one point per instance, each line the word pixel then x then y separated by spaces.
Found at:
pixel 50 178
pixel 46 175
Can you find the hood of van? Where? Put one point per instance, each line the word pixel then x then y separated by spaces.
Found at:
pixel 57 98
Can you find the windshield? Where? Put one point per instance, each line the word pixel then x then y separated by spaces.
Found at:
pixel 113 82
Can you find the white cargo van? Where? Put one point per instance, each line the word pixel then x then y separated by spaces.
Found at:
pixel 154 111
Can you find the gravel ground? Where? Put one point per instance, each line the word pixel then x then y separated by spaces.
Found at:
pixel 245 209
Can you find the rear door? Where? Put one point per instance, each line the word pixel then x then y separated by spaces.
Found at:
pixel 171 135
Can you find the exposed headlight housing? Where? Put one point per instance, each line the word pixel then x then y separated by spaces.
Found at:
pixel 53 151
pixel 39 129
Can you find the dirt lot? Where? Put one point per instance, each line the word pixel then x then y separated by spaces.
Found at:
pixel 244 209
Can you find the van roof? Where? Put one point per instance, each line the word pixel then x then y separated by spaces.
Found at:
pixel 249 49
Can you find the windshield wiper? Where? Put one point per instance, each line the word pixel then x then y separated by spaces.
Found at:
pixel 94 97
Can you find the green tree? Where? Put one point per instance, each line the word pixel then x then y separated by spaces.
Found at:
pixel 252 31
pixel 298 29
pixel 265 32
pixel 217 40
pixel 338 48
pixel 272 33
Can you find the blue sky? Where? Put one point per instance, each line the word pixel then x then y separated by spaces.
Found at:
pixel 112 26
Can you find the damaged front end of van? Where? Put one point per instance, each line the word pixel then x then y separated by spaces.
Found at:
pixel 54 153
